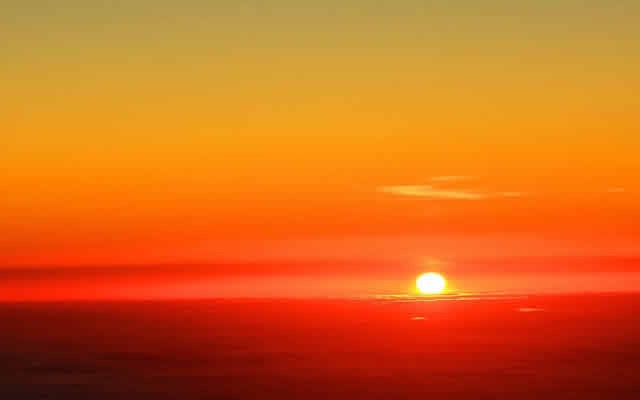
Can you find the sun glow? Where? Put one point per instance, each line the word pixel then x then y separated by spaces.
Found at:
pixel 431 283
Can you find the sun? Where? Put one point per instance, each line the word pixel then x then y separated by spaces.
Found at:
pixel 431 283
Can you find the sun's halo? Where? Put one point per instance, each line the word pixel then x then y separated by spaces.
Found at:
pixel 431 283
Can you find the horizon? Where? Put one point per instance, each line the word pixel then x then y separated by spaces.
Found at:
pixel 336 199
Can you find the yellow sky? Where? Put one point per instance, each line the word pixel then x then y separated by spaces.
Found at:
pixel 154 127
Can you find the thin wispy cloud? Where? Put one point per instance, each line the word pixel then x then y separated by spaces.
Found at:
pixel 530 309
pixel 432 192
pixel 616 190
pixel 438 192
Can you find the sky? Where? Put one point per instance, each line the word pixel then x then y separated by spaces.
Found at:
pixel 346 144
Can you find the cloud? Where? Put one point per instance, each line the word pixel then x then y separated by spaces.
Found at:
pixel 447 187
pixel 432 192
pixel 530 309
pixel 616 190
pixel 435 193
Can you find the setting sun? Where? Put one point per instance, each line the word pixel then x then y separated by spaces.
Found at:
pixel 431 283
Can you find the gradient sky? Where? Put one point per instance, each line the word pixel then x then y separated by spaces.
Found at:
pixel 495 137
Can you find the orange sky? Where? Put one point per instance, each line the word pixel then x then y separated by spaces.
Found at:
pixel 166 132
